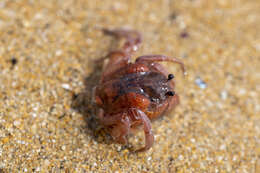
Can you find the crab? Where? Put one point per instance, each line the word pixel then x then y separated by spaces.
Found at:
pixel 130 94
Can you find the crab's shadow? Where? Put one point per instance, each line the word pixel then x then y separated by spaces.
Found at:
pixel 83 103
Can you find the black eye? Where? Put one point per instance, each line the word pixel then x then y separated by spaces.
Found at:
pixel 170 93
pixel 170 76
pixel 153 99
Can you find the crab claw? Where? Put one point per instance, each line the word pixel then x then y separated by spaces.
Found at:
pixel 149 138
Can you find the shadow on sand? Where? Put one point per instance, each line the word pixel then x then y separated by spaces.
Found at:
pixel 82 103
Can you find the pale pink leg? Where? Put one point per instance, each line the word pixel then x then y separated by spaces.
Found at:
pixel 117 60
pixel 149 138
pixel 120 58
pixel 109 120
pixel 153 58
pixel 159 68
pixel 133 38
pixel 120 124
pixel 121 130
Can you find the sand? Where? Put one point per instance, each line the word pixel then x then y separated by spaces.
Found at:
pixel 48 53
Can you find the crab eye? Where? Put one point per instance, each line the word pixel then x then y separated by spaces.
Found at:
pixel 170 77
pixel 170 93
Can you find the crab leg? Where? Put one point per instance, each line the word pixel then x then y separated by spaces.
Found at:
pixel 120 58
pixel 121 130
pixel 149 138
pixel 152 58
pixel 133 38
pixel 117 60
pixel 120 123
pixel 108 120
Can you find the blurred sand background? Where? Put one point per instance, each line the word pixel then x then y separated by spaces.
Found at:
pixel 47 69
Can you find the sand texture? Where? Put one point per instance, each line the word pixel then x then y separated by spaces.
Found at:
pixel 48 53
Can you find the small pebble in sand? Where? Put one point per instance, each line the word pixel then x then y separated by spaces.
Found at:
pixel 14 61
pixel 58 52
pixel 184 35
pixel 66 86
pixel 200 83
pixel 223 95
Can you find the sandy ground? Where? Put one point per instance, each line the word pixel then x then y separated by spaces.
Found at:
pixel 48 50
